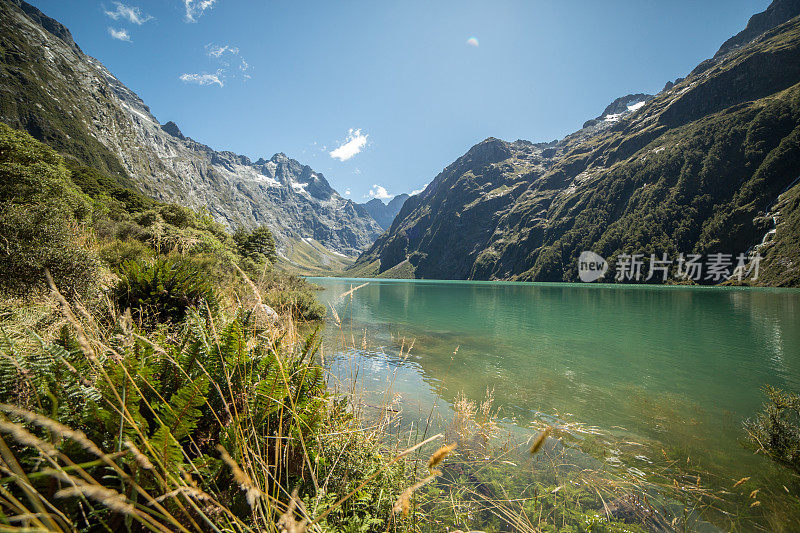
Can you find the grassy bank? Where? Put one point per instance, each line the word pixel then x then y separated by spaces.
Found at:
pixel 153 377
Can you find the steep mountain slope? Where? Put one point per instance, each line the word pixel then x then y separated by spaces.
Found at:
pixel 384 214
pixel 67 99
pixel 708 165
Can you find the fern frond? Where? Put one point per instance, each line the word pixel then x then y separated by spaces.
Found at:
pixel 182 413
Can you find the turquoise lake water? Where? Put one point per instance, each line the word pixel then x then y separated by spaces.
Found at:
pixel 675 366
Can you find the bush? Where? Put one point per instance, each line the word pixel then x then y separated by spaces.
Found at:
pixel 776 430
pixel 177 215
pixel 162 291
pixel 32 173
pixel 40 209
pixel 116 253
pixel 258 244
pixel 38 238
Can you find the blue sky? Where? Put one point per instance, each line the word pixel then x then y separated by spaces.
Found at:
pixel 407 86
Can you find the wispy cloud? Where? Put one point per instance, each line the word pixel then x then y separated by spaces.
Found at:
pixel 203 79
pixel 347 192
pixel 195 8
pixel 355 142
pixel 215 50
pixel 379 192
pixel 244 66
pixel 120 35
pixel 228 60
pixel 132 14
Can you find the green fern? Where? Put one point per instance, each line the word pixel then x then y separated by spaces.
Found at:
pixel 162 291
pixel 182 413
pixel 168 452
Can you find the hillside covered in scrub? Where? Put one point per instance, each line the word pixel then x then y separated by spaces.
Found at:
pixel 152 366
pixel 708 165
pixel 85 228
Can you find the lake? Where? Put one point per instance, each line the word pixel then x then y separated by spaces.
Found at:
pixel 679 368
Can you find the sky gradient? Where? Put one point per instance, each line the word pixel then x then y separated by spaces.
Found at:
pixel 380 96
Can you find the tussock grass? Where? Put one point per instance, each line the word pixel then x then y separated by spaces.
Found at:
pixel 219 423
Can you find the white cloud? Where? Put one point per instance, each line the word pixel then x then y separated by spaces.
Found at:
pixel 380 193
pixel 355 142
pixel 121 34
pixel 414 193
pixel 217 50
pixel 347 192
pixel 473 41
pixel 132 14
pixel 225 54
pixel 202 79
pixel 195 8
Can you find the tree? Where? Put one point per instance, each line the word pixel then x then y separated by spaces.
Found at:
pixel 258 244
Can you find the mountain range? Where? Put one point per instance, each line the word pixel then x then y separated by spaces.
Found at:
pixel 708 165
pixel 384 214
pixel 69 100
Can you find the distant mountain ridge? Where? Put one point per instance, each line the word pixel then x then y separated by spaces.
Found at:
pixel 708 165
pixel 384 214
pixel 69 100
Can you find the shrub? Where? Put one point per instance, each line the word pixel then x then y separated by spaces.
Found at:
pixel 163 290
pixel 38 238
pixel 31 173
pixel 258 244
pixel 128 229
pixel 116 253
pixel 776 430
pixel 177 215
pixel 39 212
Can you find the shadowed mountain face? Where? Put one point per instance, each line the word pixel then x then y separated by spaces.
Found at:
pixel 708 165
pixel 384 214
pixel 67 99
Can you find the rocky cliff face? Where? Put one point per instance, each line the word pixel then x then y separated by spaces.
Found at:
pixel 67 99
pixel 384 214
pixel 701 167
